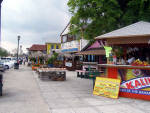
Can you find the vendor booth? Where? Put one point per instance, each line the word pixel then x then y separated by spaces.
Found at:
pixel 92 54
pixel 129 59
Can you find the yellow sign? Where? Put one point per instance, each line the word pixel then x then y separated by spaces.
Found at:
pixel 107 87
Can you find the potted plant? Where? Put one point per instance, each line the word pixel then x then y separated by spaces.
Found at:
pixel 51 60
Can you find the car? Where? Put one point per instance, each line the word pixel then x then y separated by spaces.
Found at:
pixel 2 67
pixel 7 64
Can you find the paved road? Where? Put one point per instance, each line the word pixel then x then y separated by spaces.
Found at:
pixel 21 93
pixel 25 93
pixel 75 96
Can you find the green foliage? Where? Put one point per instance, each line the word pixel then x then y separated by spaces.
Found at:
pixel 41 60
pixel 91 18
pixel 33 59
pixel 118 51
pixel 52 58
pixel 3 52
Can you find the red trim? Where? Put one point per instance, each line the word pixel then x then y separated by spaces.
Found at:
pixel 136 96
pixel 112 72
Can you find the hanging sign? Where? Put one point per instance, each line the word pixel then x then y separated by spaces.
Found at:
pixel 107 87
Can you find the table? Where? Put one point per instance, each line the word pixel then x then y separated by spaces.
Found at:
pixel 55 74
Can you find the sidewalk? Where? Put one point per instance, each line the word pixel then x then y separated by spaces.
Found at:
pixel 75 96
pixel 21 93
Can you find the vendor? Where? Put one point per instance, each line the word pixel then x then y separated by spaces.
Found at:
pixel 131 59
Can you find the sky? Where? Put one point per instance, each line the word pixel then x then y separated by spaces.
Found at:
pixel 35 21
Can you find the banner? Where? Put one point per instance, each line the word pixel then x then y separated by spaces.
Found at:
pixel 107 87
pixel 135 81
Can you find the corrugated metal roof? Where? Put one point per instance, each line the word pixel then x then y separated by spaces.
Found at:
pixel 136 29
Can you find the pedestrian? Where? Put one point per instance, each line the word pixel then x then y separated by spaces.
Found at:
pixel 24 61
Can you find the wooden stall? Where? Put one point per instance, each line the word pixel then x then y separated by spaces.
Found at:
pixel 131 62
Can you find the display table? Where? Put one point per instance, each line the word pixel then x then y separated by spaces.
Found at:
pixel 135 80
pixel 56 74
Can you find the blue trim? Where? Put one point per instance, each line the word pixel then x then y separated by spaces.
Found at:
pixel 69 50
pixel 135 91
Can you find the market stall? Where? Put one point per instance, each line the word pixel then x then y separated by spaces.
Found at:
pixel 129 59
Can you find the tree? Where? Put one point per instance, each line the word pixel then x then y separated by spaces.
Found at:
pixel 91 18
pixel 3 52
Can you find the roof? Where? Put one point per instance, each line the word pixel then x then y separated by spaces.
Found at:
pixel 140 28
pixel 92 52
pixel 37 47
pixel 52 43
pixel 66 30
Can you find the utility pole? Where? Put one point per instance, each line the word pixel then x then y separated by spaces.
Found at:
pixel 18 48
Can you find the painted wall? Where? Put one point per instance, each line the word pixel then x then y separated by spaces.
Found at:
pixel 51 46
pixel 83 43
pixel 72 46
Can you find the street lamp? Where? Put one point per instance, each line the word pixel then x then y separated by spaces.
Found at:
pixel 18 48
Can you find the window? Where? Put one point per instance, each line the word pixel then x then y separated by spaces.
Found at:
pixel 52 46
pixel 57 47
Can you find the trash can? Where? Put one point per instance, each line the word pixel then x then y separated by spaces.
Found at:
pixel 16 65
pixel 1 84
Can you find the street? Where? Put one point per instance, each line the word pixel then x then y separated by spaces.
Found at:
pixel 21 93
pixel 24 92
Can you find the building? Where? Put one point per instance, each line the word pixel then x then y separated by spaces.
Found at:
pixel 37 50
pixel 71 44
pixel 52 46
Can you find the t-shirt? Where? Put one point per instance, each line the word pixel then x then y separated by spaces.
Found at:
pixel 107 50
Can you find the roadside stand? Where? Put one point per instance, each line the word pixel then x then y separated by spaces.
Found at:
pixel 54 74
pixel 129 59
pixel 92 54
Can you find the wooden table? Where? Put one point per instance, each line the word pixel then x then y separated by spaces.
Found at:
pixel 56 74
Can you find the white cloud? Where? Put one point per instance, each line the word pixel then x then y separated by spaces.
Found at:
pixel 37 21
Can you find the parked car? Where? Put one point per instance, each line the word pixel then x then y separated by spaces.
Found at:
pixel 2 67
pixel 7 64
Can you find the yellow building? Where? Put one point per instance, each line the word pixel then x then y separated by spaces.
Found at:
pixel 52 46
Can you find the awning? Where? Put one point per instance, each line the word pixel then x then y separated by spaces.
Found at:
pixel 92 52
pixel 129 40
pixel 139 29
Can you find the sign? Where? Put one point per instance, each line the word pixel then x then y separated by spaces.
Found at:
pixel 70 46
pixel 107 87
pixel 135 81
pixel 68 64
